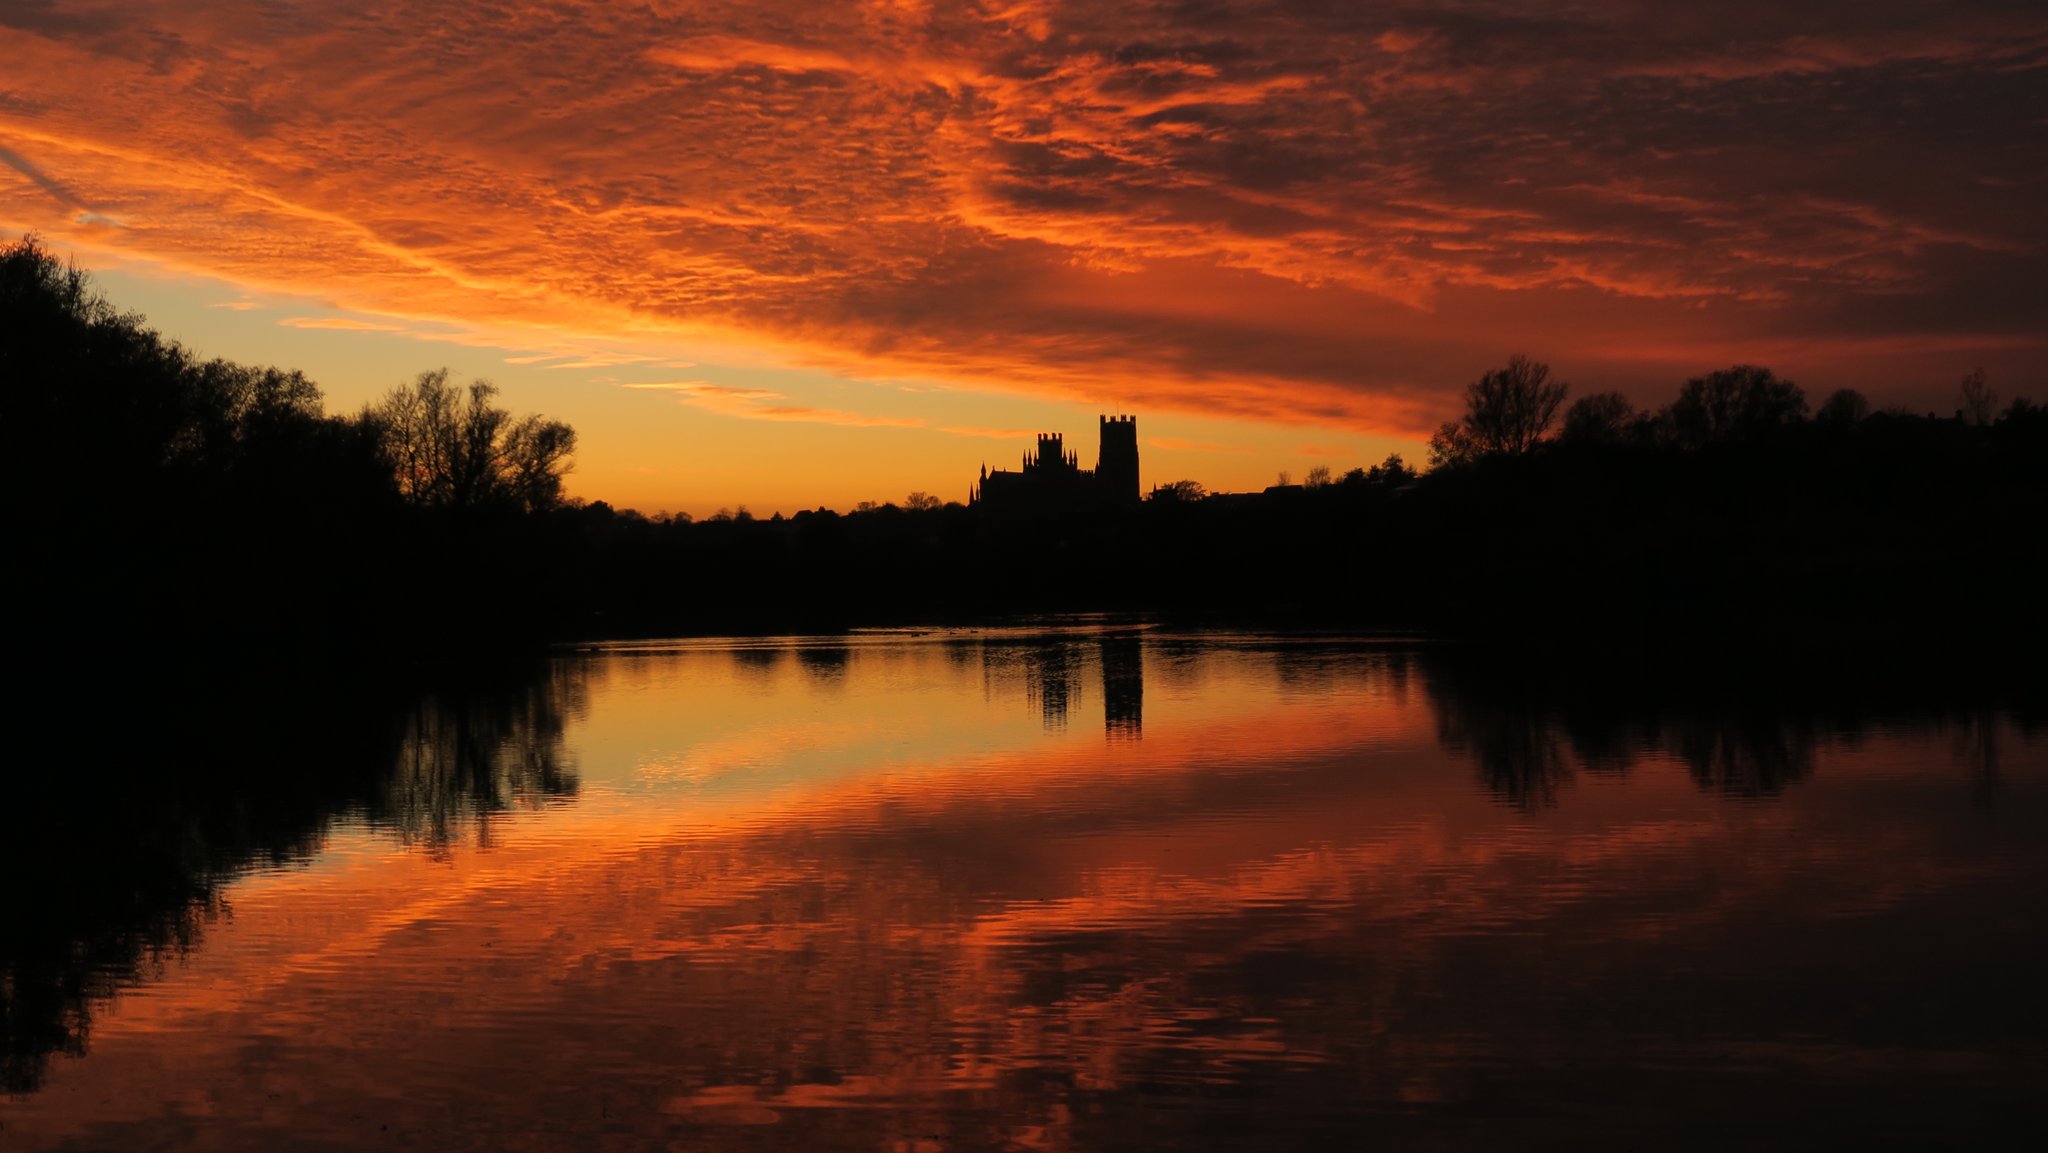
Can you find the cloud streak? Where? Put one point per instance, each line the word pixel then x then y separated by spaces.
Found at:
pixel 1263 210
pixel 767 404
pixel 337 324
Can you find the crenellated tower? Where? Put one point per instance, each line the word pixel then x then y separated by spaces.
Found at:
pixel 1052 457
pixel 1116 468
pixel 1051 479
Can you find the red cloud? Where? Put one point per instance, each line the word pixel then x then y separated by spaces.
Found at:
pixel 1289 212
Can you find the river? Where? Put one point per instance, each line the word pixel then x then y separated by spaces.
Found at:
pixel 1086 886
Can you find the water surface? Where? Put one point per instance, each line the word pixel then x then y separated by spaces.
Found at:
pixel 1090 888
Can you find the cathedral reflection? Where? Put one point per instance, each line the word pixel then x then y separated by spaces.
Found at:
pixel 1123 687
pixel 1055 675
pixel 1050 682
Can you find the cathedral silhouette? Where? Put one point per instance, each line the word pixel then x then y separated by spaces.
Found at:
pixel 1053 479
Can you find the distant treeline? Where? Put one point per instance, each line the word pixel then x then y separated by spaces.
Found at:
pixel 208 507
pixel 1729 519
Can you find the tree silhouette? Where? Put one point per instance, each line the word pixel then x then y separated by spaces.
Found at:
pixel 1842 408
pixel 1507 411
pixel 1598 418
pixel 1979 402
pixel 1182 491
pixel 1392 472
pixel 1735 404
pixel 448 451
pixel 89 392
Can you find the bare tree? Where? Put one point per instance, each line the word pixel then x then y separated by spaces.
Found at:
pixel 451 449
pixel 535 456
pixel 1979 402
pixel 1450 445
pixel 1318 476
pixel 1734 403
pixel 1599 418
pixel 1507 411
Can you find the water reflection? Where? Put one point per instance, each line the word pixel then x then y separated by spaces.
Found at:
pixel 1530 732
pixel 129 861
pixel 1518 750
pixel 897 891
pixel 1055 671
pixel 487 746
pixel 826 664
pixel 1051 678
pixel 1123 686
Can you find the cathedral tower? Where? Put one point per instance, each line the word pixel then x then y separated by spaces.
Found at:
pixel 1116 469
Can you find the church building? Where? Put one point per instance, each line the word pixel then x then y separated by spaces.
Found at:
pixel 1053 479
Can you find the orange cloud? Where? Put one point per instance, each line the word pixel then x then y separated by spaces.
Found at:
pixel 767 404
pixel 336 324
pixel 1284 212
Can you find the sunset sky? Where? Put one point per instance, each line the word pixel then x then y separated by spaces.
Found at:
pixel 791 255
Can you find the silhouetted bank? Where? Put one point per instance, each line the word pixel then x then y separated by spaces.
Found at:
pixel 1897 531
pixel 185 510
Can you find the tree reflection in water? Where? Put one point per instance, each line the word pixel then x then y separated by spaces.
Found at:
pixel 1529 731
pixel 118 852
pixel 120 855
pixel 467 754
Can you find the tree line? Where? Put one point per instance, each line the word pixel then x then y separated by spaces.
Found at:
pixel 218 507
pixel 155 494
pixel 111 402
pixel 1510 411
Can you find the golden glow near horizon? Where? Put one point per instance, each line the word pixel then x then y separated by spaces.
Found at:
pixel 790 262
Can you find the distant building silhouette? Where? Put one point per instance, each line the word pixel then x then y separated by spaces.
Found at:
pixel 1053 479
pixel 1116 461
